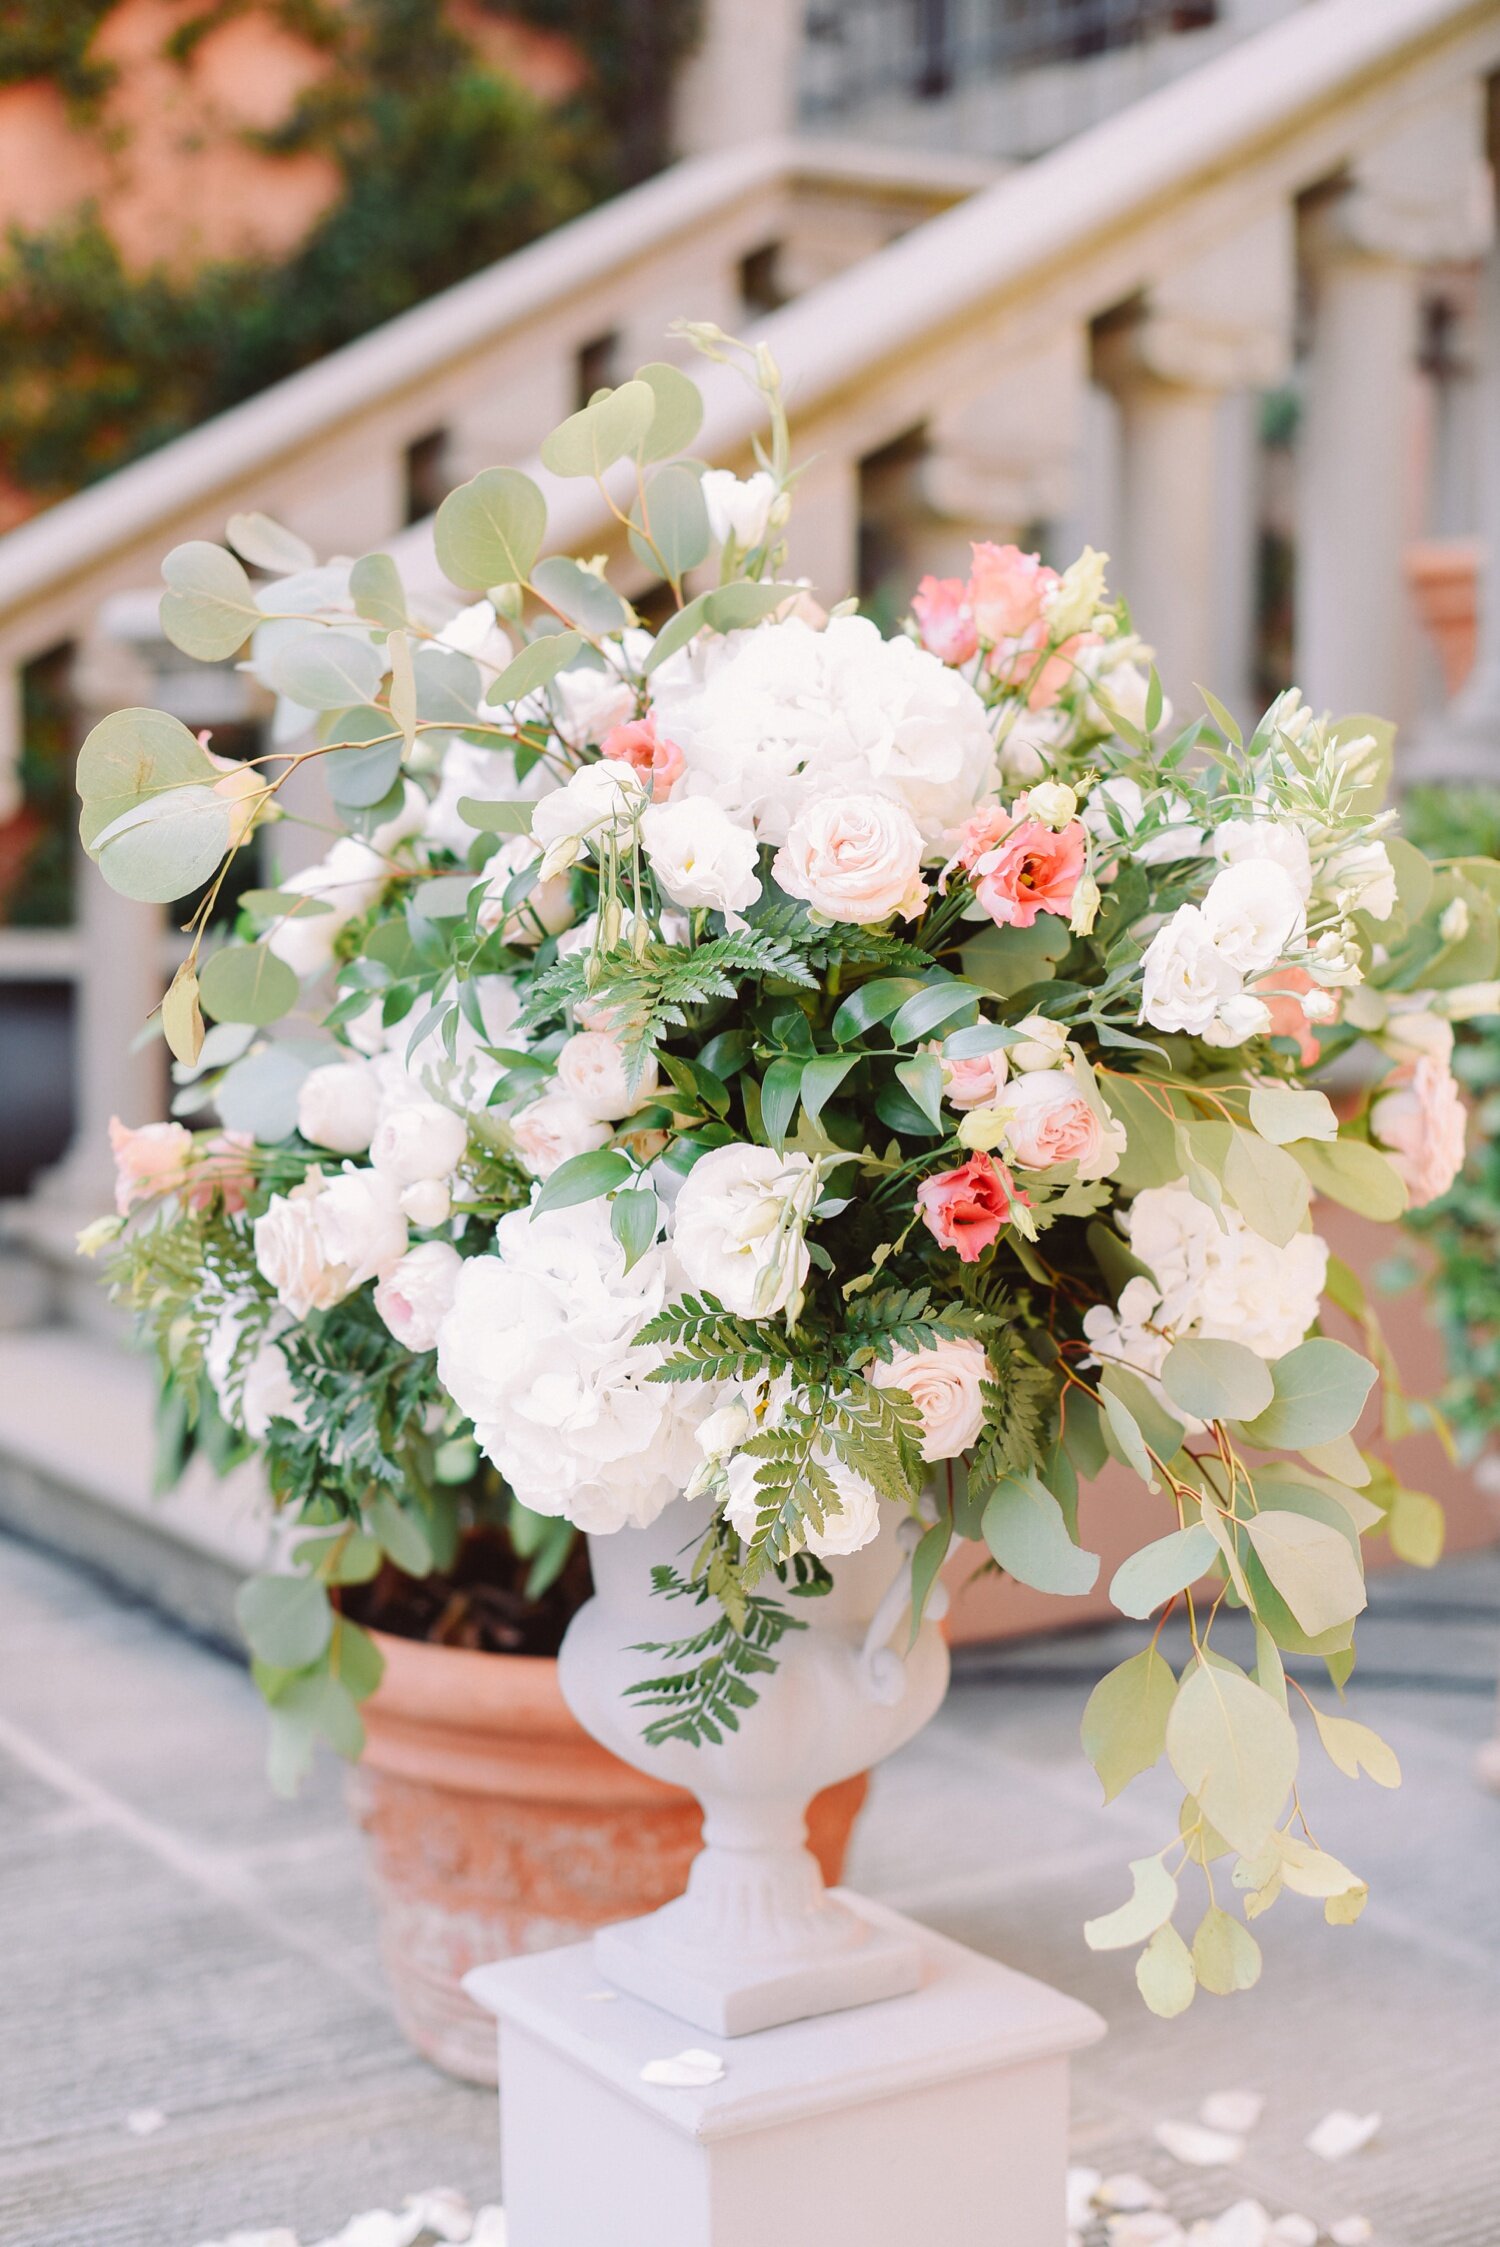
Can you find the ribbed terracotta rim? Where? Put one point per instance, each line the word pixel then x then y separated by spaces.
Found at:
pixel 491 1724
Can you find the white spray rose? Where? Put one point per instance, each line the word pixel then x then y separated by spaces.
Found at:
pixel 945 1383
pixel 1185 977
pixel 599 801
pixel 418 1140
pixel 737 1227
pixel 701 857
pixel 1238 1018
pixel 1040 1045
pixel 1253 912
pixel 853 858
pixel 338 1106
pixel 1281 841
pixel 329 1236
pixel 856 1523
pixel 591 1071
pixel 545 910
pixel 427 1204
pixel 553 1129
pixel 738 508
pixel 252 1390
pixel 416 1294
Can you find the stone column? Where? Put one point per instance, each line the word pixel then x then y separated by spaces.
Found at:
pixel 740 82
pixel 1463 742
pixel 823 535
pixel 1421 195
pixel 1182 363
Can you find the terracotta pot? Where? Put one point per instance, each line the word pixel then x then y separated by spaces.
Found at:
pixel 1444 576
pixel 497 1825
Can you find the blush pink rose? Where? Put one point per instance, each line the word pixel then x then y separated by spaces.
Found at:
pixel 639 745
pixel 965 1209
pixel 1031 870
pixel 945 618
pixel 225 1168
pixel 1052 1123
pixel 854 858
pixel 1006 591
pixel 1420 1122
pixel 971 1080
pixel 981 831
pixel 150 1159
pixel 946 1384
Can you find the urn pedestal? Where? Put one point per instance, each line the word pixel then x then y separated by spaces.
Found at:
pixel 870 2080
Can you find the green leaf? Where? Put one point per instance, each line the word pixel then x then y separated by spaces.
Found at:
pixel 400 1533
pixel 726 609
pixel 1235 1749
pixel 1025 1530
pixel 538 663
pixel 926 1564
pixel 678 414
pixel 1358 1176
pixel 930 1010
pixel 1282 1113
pixel 872 1003
pixel 1128 1444
pixel 287 1620
pixel 1355 1748
pixel 325 670
pixel 1226 1956
pixel 1312 1567
pixel 583 1178
pixel 364 773
pixel 1267 1186
pixel 634 1220
pixel 1153 1900
pixel 165 846
pixel 602 432
pixel 580 595
pixel 1125 1719
pixel 356 1658
pixel 678 519
pixel 821 1078
pixel 1217 1380
pixel 1007 960
pixel 1417 1527
pixel 447 686
pixel 402 692
pixel 269 545
pixel 1321 1388
pixel 377 592
pixel 780 1090
pixel 247 983
pixel 129 757
pixel 496 818
pixel 209 608
pixel 1161 1570
pixel 922 1077
pixel 1224 719
pixel 182 1017
pixel 490 531
pixel 1164 1974
pixel 259 1094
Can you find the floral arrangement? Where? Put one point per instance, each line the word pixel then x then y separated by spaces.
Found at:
pixel 808 1071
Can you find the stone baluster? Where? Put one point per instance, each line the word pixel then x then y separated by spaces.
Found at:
pixel 1419 195
pixel 1183 363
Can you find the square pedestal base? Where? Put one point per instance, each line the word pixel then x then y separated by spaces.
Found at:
pixel 936 2119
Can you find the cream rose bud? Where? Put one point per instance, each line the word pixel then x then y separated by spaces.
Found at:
pixel 417 1293
pixel 552 1130
pixel 854 858
pixel 418 1140
pixel 1052 803
pixel 738 509
pixel 1040 1044
pixel 723 1430
pixel 599 800
pixel 944 1383
pixel 591 1070
pixel 427 1204
pixel 1185 977
pixel 1253 912
pixel 701 857
pixel 1238 1018
pixel 1050 1122
pixel 735 1228
pixel 338 1106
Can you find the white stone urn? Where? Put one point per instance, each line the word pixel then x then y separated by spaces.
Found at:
pixel 756 1940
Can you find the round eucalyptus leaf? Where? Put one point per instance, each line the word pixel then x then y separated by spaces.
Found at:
pixel 579 594
pixel 490 531
pixel 602 432
pixel 209 608
pixel 679 410
pixel 259 1093
pixel 165 847
pixel 361 776
pixel 287 1620
pixel 375 589
pixel 130 756
pixel 448 686
pixel 269 545
pixel 325 670
pixel 678 520
pixel 1216 1380
pixel 247 983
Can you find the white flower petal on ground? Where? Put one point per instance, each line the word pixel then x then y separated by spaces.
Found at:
pixel 1126 2191
pixel 144 2122
pixel 1197 2148
pixel 1341 2133
pixel 1351 2231
pixel 489 2227
pixel 441 2211
pixel 1237 2111
pixel 1292 2231
pixel 1082 2185
pixel 1246 2224
pixel 692 2070
pixel 279 2236
pixel 1144 2227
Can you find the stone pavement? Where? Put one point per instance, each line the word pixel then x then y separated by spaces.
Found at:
pixel 176 1939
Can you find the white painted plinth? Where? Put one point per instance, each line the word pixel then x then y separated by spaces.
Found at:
pixel 937 2117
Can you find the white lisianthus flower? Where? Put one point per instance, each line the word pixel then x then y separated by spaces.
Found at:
pixel 586 700
pixel 347 882
pixel 854 858
pixel 1281 841
pixel 1185 977
pixel 856 1523
pixel 553 1129
pixel 418 1140
pixel 545 910
pixel 738 1224
pixel 1453 921
pixel 1161 846
pixel 591 1071
pixel 1237 1019
pixel 489 776
pixel 538 1349
pixel 1040 1044
pixel 738 508
pixel 701 857
pixel 1084 911
pixel 327 1237
pixel 786 713
pixel 252 1389
pixel 1363 880
pixel 1253 912
pixel 599 801
pixel 416 1294
pixel 338 1106
pixel 1050 1123
pixel 476 630
pixel 945 1383
pixel 1411 1031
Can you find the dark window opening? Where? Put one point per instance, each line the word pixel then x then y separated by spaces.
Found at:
pixel 596 367
pixel 36 841
pixel 427 479
pixel 36 1084
pixel 761 290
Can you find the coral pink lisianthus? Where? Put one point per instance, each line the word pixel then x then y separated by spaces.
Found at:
pixel 150 1159
pixel 1283 991
pixel 1007 590
pixel 639 745
pixel 945 618
pixel 965 1209
pixel 1031 870
pixel 225 1168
